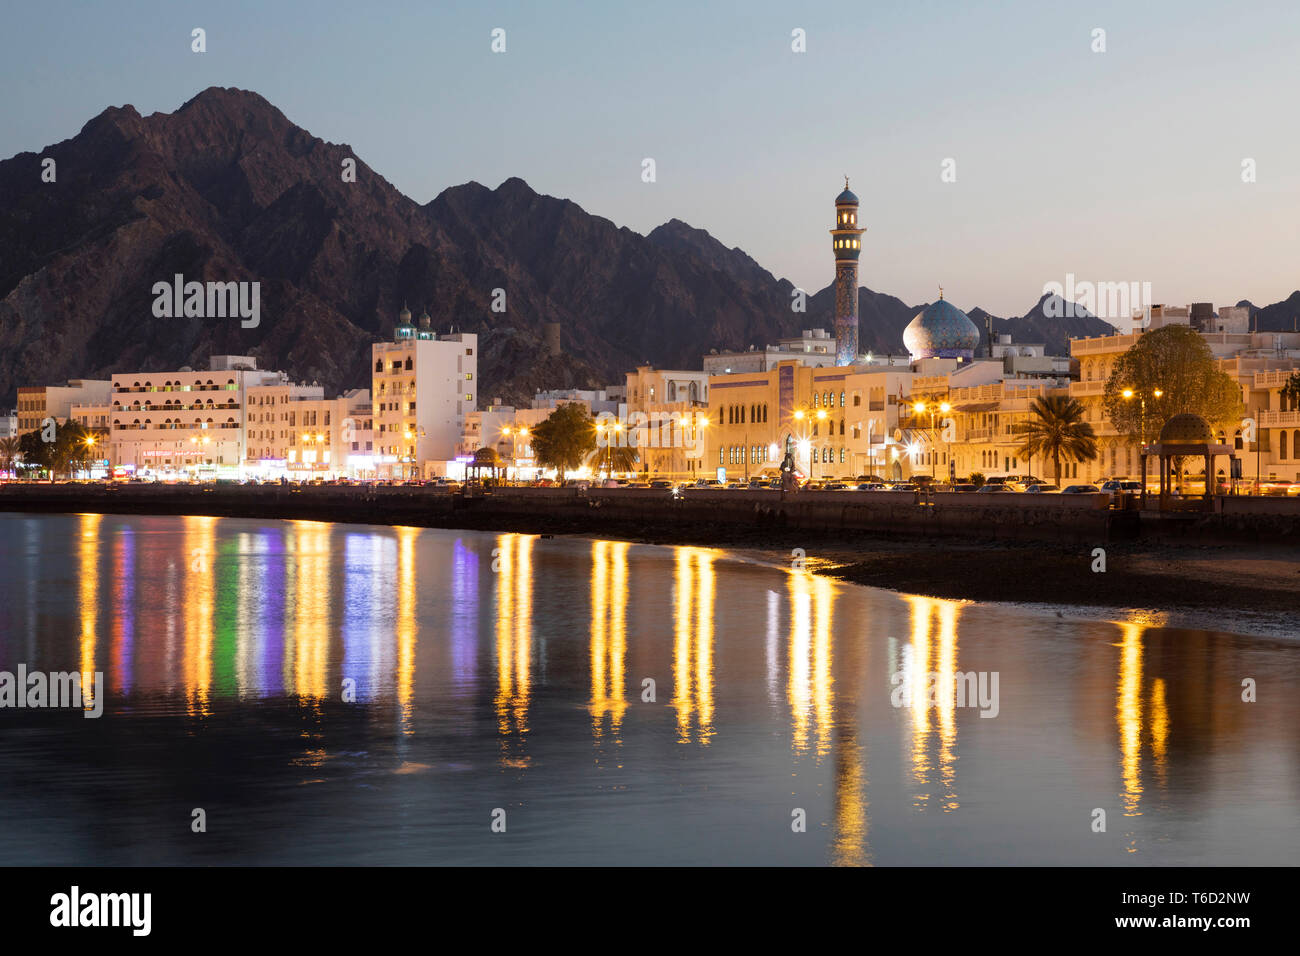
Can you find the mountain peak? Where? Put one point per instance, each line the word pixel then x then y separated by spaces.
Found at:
pixel 215 96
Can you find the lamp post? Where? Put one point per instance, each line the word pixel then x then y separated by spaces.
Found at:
pixel 701 422
pixel 921 408
pixel 1128 394
pixel 197 441
pixel 799 416
pixel 514 435
pixel 821 417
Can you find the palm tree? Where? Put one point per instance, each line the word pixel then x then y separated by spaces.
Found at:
pixel 8 453
pixel 620 458
pixel 1057 428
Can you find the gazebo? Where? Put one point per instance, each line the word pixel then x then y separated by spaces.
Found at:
pixel 484 458
pixel 1184 436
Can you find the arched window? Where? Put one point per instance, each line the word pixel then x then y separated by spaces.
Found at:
pixel 1295 442
pixel 841 399
pixel 379 365
pixel 1281 444
pixel 409 365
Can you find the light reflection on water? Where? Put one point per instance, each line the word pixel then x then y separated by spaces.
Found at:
pixel 334 693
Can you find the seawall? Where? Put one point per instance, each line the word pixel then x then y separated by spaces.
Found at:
pixel 622 512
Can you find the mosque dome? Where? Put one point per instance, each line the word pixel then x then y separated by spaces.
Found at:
pixel 846 197
pixel 1187 429
pixel 404 317
pixel 941 330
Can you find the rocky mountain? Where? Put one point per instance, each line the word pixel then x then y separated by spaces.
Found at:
pixel 227 188
pixel 1281 316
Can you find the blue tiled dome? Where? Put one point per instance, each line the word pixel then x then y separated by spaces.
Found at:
pixel 846 197
pixel 941 330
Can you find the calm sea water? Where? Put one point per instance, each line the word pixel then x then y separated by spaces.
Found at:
pixel 503 677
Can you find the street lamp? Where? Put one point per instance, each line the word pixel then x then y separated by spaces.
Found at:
pixel 1128 394
pixel 921 408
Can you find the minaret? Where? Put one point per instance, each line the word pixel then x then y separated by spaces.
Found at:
pixel 847 244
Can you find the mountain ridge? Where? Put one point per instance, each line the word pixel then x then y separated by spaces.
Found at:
pixel 226 187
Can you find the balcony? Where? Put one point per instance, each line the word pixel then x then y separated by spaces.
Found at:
pixel 1273 379
pixel 1276 419
pixel 1104 343
pixel 1087 389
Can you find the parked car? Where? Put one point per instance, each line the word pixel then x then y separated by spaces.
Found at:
pixel 1042 488
pixel 904 486
pixel 835 486
pixel 994 488
pixel 1080 490
pixel 637 484
pixel 964 488
pixel 873 486
pixel 1118 486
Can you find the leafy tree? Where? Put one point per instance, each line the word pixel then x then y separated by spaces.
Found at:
pixel 977 479
pixel 1176 362
pixel 35 455
pixel 1056 430
pixel 71 450
pixel 1291 390
pixel 565 439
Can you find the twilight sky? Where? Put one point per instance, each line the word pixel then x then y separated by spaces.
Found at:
pixel 1124 165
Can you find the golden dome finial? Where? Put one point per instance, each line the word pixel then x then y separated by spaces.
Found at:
pixel 940 292
pixel 846 182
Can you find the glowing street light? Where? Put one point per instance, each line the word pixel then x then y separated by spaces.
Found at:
pixel 1128 394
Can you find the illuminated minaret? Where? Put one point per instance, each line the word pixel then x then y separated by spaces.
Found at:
pixel 847 243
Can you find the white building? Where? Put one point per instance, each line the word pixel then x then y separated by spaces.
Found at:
pixel 423 387
pixel 39 402
pixel 9 424
pixel 185 423
pixel 813 348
